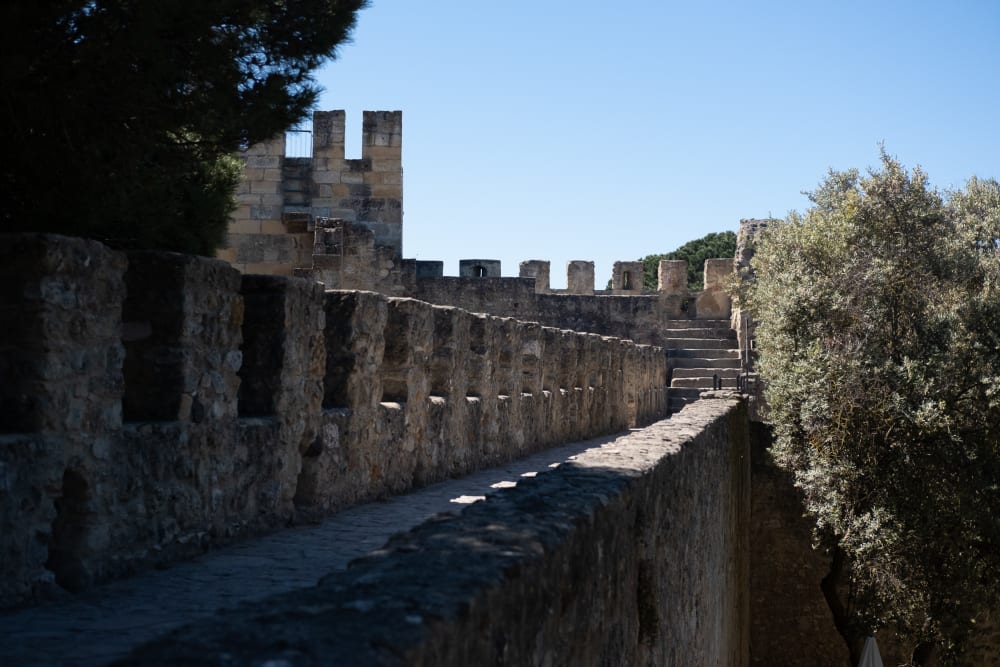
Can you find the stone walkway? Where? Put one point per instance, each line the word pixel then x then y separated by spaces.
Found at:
pixel 107 622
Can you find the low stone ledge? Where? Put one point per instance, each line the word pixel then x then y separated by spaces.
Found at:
pixel 635 553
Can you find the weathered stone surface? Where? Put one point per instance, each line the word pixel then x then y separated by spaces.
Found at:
pixel 672 276
pixel 637 553
pixel 713 303
pixel 31 473
pixel 368 191
pixel 580 277
pixel 346 396
pixel 785 597
pixel 627 277
pixel 537 269
pixel 60 401
pixel 184 316
pixel 479 268
pixel 60 346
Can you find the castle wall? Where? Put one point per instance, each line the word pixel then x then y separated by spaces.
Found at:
pixel 640 317
pixel 207 406
pixel 633 554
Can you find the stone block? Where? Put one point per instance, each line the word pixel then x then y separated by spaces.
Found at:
pixel 672 276
pixel 273 227
pixel 245 227
pixel 479 268
pixel 717 272
pixel 60 346
pixel 263 162
pixel 266 187
pixel 429 269
pixel 31 476
pixel 182 321
pixel 627 276
pixel 226 254
pixel 580 277
pixel 271 148
pixel 386 165
pixel 328 134
pixel 326 176
pixel 355 344
pixel 284 362
pixel 537 269
pixel 265 212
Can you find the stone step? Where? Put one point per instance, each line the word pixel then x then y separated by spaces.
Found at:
pixel 702 362
pixel 725 373
pixel 696 324
pixel 703 353
pixel 701 332
pixel 704 383
pixel 701 343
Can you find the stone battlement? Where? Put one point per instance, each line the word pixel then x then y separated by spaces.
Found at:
pixel 281 197
pixel 155 403
pixel 340 222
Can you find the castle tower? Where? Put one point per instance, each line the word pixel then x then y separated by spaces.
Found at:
pixel 282 197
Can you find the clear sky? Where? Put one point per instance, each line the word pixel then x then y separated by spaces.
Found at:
pixel 608 131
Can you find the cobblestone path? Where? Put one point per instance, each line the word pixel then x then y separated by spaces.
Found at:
pixel 106 622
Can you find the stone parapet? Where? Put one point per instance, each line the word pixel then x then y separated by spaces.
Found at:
pixel 636 553
pixel 253 401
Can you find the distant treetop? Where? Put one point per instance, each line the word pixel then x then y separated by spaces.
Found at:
pixel 710 246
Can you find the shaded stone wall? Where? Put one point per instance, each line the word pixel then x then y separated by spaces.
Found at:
pixel 633 554
pixel 791 623
pixel 206 406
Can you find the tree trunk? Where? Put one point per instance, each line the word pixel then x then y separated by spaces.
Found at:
pixel 841 617
pixel 924 654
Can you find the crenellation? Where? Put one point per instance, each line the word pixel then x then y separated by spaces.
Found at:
pixel 627 277
pixel 364 195
pixel 329 135
pixel 479 268
pixel 579 277
pixel 288 401
pixel 367 191
pixel 672 276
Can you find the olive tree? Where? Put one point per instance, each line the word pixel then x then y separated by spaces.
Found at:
pixel 878 316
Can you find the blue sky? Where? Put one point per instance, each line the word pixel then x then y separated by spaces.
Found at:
pixel 608 131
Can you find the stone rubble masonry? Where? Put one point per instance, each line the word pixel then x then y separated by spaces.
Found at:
pixel 626 277
pixel 339 222
pixel 346 256
pixel 713 302
pixel 206 406
pixel 281 198
pixel 579 277
pixel 538 270
pixel 672 276
pixel 636 553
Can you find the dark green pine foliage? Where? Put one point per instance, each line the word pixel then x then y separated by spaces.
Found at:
pixel 710 246
pixel 120 118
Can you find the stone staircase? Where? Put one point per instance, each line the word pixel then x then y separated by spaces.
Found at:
pixel 699 352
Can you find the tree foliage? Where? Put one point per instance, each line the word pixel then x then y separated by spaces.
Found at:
pixel 710 246
pixel 879 341
pixel 120 118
